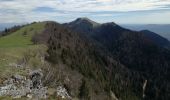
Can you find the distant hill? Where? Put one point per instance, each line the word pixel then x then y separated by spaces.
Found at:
pixel 7 25
pixel 161 29
pixel 161 41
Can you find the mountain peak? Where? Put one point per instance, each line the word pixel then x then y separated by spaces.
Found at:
pixel 111 23
pixel 86 20
pixel 83 18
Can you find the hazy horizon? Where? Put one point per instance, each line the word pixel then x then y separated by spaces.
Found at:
pixel 8 25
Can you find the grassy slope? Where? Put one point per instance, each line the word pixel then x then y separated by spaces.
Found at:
pixel 14 46
pixel 17 39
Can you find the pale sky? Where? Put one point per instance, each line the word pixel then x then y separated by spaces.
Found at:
pixel 119 11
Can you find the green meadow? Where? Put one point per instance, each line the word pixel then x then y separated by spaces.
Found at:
pixel 14 46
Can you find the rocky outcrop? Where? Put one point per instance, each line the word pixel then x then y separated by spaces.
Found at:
pixel 24 86
pixel 62 92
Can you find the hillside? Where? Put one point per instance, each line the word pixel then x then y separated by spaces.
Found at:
pixel 83 60
pixel 137 51
pixel 23 55
pixel 79 59
pixel 80 53
pixel 15 46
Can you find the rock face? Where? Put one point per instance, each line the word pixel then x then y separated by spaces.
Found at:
pixel 18 86
pixel 36 77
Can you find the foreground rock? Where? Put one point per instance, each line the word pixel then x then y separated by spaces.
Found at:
pixel 62 92
pixel 21 86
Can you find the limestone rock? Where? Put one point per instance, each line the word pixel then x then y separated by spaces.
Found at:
pixel 62 92
pixel 18 86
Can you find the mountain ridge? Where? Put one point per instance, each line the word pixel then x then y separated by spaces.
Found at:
pixel 96 62
pixel 161 29
pixel 134 49
pixel 161 41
